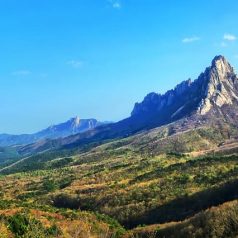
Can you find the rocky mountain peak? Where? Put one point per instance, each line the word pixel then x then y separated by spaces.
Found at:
pixel 220 82
pixel 215 87
pixel 75 121
pixel 221 71
pixel 221 66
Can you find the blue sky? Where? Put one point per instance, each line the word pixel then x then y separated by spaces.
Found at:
pixel 96 58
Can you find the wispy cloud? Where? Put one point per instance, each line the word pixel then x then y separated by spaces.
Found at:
pixel 75 63
pixel 22 72
pixel 191 39
pixel 115 4
pixel 223 44
pixel 229 37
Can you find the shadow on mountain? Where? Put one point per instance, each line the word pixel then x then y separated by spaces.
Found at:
pixel 187 206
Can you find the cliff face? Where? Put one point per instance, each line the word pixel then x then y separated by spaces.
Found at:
pixel 220 86
pixel 217 86
pixel 154 102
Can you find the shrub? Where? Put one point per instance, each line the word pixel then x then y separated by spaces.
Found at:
pixel 19 224
pixel 53 230
pixel 49 185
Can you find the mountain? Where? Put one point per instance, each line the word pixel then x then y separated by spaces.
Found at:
pixel 211 98
pixel 208 97
pixel 216 87
pixel 70 127
pixel 171 166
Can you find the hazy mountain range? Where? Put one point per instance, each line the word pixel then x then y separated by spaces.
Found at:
pixel 73 126
pixel 211 98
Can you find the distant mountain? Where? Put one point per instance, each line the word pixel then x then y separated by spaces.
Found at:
pixel 70 127
pixel 211 98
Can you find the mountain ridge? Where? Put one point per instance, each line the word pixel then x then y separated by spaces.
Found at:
pixel 72 126
pixel 209 82
pixel 211 98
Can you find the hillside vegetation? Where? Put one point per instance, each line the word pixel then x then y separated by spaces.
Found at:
pixel 150 180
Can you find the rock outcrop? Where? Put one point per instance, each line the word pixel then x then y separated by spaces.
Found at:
pixel 216 87
pixel 221 85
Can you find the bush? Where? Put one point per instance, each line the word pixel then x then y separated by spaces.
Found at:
pixel 61 162
pixel 53 230
pixel 19 224
pixel 49 185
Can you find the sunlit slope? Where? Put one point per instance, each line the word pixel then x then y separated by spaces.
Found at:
pixel 151 178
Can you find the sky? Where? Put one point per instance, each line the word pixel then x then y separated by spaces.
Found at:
pixel 96 58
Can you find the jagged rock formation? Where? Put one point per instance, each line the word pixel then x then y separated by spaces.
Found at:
pixel 221 87
pixel 157 102
pixel 216 87
pixel 70 127
pixel 211 98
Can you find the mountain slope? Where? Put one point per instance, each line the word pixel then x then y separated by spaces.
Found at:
pixel 147 178
pixel 213 95
pixel 211 98
pixel 158 177
pixel 70 127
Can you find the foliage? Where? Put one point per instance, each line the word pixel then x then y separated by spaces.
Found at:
pixel 19 224
pixel 141 180
pixel 216 222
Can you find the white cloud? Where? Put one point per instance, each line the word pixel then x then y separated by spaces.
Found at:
pixel 75 63
pixel 115 4
pixel 229 37
pixel 190 39
pixel 22 72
